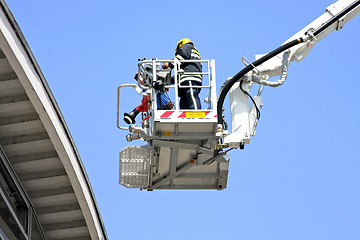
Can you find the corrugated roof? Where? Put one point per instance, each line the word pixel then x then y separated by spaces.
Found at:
pixel 38 144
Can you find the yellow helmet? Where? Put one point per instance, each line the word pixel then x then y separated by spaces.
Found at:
pixel 182 42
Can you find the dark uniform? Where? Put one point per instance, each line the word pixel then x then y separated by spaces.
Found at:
pixel 189 97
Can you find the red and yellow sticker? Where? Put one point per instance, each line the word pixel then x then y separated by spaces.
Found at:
pixel 195 114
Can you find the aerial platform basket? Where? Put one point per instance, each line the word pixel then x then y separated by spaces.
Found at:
pixel 181 143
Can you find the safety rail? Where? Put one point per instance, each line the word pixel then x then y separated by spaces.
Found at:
pixel 137 89
pixel 149 69
pixel 149 72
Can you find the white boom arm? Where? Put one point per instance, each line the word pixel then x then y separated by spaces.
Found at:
pixel 244 118
pixel 273 67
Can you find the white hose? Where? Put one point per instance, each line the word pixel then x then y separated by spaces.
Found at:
pixel 279 82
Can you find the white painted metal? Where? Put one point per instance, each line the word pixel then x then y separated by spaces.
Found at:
pixel 253 114
pixel 243 120
pixel 239 103
pixel 337 7
pixel 134 166
pixel 299 52
pixel 181 141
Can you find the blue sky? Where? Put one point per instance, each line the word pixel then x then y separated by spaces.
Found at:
pixel 298 179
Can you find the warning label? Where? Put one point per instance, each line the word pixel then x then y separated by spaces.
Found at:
pixel 195 114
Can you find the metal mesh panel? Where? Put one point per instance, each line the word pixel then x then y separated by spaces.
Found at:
pixel 135 166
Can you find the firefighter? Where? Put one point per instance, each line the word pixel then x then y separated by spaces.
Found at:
pixel 189 96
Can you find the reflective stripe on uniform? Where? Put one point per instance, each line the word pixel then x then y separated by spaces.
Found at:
pixel 195 53
pixel 197 77
pixel 179 57
pixel 190 78
pixel 192 96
